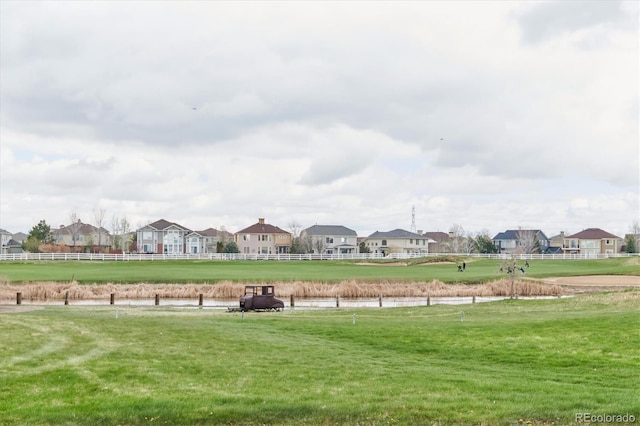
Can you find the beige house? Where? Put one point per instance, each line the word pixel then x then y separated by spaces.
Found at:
pixel 398 241
pixel 263 238
pixel 80 236
pixel 592 242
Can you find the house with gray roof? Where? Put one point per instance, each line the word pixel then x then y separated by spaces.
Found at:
pixel 592 242
pixel 206 241
pixel 398 241
pixel 162 237
pixel 521 240
pixel 330 239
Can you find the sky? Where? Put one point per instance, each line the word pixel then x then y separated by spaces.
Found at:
pixel 486 116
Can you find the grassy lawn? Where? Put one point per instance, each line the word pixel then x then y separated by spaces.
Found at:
pixel 478 270
pixel 507 362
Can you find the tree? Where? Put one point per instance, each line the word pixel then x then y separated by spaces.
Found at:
pixel 632 240
pixel 484 244
pixel 231 247
pixel 527 241
pixel 296 243
pixel 98 216
pixel 364 248
pixel 41 232
pixel 457 239
pixel 74 227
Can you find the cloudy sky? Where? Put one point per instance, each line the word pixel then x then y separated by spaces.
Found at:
pixel 485 115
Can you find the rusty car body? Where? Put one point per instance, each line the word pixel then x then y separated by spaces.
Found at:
pixel 260 298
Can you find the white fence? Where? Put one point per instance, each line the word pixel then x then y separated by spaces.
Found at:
pixel 127 257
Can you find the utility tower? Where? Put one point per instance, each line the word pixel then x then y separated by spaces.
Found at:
pixel 413 219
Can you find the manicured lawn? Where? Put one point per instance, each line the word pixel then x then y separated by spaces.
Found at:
pixel 507 362
pixel 478 270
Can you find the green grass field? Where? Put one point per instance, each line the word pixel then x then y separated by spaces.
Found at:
pixel 509 362
pixel 478 270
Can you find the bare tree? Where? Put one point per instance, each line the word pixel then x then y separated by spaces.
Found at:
pixel 527 241
pixel 125 228
pixel 74 227
pixel 295 228
pixel 98 217
pixel 115 230
pixel 457 238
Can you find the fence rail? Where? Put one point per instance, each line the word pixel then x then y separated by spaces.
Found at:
pixel 128 257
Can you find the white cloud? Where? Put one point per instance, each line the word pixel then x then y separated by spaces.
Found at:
pixel 489 114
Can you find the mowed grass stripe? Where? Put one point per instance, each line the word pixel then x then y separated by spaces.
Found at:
pixel 478 270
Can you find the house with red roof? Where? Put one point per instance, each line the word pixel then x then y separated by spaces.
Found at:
pixel 592 242
pixel 263 238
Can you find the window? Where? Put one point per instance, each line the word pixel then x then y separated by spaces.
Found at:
pixel 263 237
pixel 329 240
pixel 343 239
pixel 246 237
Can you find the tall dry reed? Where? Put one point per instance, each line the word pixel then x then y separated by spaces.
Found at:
pixel 299 289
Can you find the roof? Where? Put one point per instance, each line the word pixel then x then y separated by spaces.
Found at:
pixel 592 234
pixel 513 234
pixel 330 230
pixel 164 224
pixel 78 229
pixel 397 233
pixel 262 228
pixel 212 232
pixel 437 236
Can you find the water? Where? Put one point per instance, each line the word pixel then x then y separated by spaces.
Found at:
pixel 300 303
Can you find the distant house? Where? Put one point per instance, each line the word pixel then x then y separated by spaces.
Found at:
pixel 80 236
pixel 263 238
pixel 398 241
pixel 162 237
pixel 441 244
pixel 331 239
pixel 521 240
pixel 5 237
pixel 202 242
pixel 555 243
pixel 591 242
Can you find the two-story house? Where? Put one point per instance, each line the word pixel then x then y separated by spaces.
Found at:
pixel 162 237
pixel 80 236
pixel 331 239
pixel 263 238
pixel 592 242
pixel 398 241
pixel 521 240
pixel 202 242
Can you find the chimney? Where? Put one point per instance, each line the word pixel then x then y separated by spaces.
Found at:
pixel 419 231
pixel 261 221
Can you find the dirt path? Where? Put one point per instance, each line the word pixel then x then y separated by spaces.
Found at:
pixel 596 281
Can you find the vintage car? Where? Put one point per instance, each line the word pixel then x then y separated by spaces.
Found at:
pixel 260 298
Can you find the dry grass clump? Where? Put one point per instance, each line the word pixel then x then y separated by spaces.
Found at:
pixel 299 289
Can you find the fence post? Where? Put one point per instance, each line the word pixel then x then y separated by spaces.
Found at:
pixel 337 301
pixel 380 300
pixel 18 298
pixel 157 299
pixel 200 300
pixel 292 301
pixel 66 298
pixel 112 299
pixel 474 299
pixel 428 300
